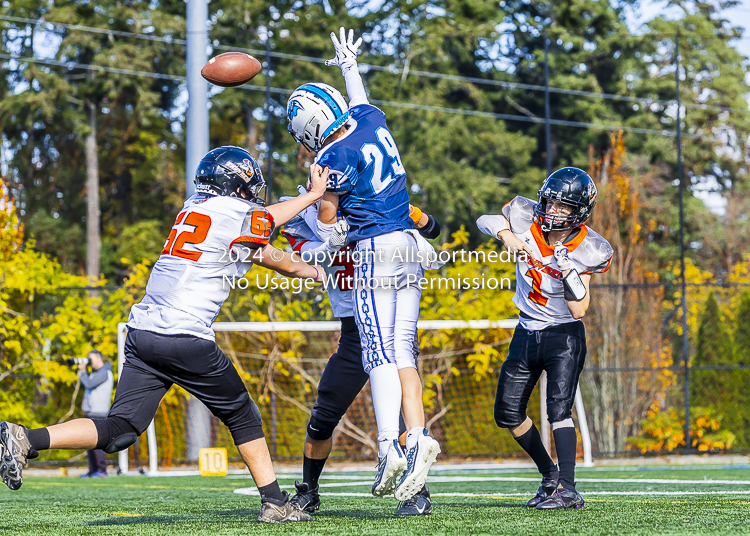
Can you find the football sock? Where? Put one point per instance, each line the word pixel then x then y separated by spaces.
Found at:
pixel 39 438
pixel 531 442
pixel 413 436
pixel 386 400
pixel 271 491
pixel 565 443
pixel 311 470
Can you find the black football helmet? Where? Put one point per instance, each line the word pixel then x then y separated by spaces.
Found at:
pixel 573 187
pixel 229 171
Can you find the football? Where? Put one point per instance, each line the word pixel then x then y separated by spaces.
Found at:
pixel 231 69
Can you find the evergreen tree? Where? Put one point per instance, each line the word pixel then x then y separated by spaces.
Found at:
pixel 740 415
pixel 714 388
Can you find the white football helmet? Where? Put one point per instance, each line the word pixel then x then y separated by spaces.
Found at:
pixel 314 112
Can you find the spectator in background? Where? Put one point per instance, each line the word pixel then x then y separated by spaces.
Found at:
pixel 96 403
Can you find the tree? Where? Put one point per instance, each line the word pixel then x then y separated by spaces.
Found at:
pixel 58 121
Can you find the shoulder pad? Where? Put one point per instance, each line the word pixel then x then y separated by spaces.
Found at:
pixel 595 253
pixel 256 227
pixel 520 214
pixel 361 110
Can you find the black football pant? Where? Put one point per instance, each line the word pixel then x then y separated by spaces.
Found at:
pixel 154 362
pixel 561 351
pixel 342 380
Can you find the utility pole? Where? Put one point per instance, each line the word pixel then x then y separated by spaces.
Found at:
pixel 547 118
pixel 197 113
pixel 197 416
pixel 269 137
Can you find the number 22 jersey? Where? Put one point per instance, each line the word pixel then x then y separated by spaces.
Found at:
pixel 187 285
pixel 539 288
pixel 366 170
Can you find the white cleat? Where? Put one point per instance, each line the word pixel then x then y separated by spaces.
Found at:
pixel 419 459
pixel 390 469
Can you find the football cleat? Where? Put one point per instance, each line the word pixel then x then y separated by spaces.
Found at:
pixel 419 460
pixel 15 450
pixel 273 511
pixel 562 498
pixel 419 505
pixel 390 468
pixel 306 499
pixel 544 492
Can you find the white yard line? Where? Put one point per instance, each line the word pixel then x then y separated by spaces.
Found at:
pixel 254 491
pixel 434 479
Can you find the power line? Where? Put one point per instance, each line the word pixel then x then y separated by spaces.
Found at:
pixel 395 104
pixel 394 70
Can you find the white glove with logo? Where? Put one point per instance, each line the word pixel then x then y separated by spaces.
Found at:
pixel 561 255
pixel 346 50
pixel 339 234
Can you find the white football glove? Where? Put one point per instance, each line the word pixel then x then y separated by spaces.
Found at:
pixel 339 234
pixel 346 50
pixel 561 255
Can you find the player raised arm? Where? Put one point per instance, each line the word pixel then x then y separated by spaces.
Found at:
pixel 346 59
pixel 285 211
pixel 497 226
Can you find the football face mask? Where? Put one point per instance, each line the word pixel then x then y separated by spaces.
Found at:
pixel 557 216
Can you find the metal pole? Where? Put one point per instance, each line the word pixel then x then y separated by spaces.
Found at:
pixel 543 420
pixel 683 304
pixel 122 332
pixel 547 133
pixel 198 418
pixel 269 140
pixel 197 113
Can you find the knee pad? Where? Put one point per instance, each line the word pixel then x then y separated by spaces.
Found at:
pixel 559 410
pixel 114 434
pixel 319 430
pixel 507 418
pixel 245 424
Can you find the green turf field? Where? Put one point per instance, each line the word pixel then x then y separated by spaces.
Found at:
pixel 694 500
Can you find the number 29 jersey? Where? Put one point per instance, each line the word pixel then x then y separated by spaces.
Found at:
pixel 366 170
pixel 539 288
pixel 188 284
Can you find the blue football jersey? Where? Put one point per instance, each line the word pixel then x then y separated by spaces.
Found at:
pixel 367 173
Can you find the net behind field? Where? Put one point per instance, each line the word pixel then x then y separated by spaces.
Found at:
pixel 633 384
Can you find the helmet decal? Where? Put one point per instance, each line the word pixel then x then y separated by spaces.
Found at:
pixel 294 107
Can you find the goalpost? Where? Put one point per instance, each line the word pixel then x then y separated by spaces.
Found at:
pixel 331 326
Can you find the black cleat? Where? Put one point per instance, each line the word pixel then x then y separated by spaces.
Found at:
pixel 419 505
pixel 15 450
pixel 562 498
pixel 544 492
pixel 308 500
pixel 273 511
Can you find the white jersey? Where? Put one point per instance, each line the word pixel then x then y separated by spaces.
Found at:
pixel 339 273
pixel 187 285
pixel 539 288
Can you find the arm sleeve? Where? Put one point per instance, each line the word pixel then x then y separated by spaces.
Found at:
pixel 314 246
pixel 355 89
pixel 256 229
pixel 491 224
pixel 95 379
